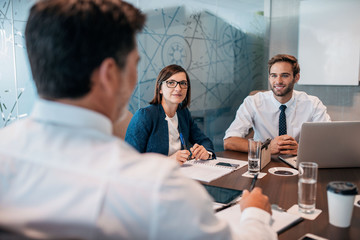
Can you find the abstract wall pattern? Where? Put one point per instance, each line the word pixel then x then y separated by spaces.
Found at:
pixel 214 53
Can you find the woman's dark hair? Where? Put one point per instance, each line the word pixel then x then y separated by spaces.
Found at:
pixel 67 40
pixel 164 75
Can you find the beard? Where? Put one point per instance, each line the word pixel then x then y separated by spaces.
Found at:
pixel 288 89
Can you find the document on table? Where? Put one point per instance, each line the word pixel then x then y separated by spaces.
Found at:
pixel 209 170
pixel 281 221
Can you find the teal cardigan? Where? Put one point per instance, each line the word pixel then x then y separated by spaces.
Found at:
pixel 148 130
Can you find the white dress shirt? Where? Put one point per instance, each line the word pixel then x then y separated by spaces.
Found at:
pixel 62 174
pixel 261 112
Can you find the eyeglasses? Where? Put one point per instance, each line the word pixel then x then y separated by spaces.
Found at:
pixel 173 84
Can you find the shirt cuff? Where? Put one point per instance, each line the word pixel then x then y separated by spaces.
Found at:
pixel 234 134
pixel 256 214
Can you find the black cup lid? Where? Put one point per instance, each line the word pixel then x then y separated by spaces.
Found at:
pixel 343 188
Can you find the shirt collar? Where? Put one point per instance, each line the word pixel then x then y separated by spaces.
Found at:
pixel 70 115
pixel 287 104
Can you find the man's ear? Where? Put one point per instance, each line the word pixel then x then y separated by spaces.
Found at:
pixel 297 77
pixel 109 75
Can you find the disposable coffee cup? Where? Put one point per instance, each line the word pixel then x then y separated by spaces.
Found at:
pixel 341 196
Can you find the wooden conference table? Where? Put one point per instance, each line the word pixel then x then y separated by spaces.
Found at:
pixel 282 190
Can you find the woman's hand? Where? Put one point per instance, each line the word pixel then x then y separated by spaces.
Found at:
pixel 199 152
pixel 181 156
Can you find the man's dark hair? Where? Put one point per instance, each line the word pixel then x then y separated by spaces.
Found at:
pixel 164 75
pixel 67 40
pixel 285 58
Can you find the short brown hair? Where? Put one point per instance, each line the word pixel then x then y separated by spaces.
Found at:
pixel 164 75
pixel 285 58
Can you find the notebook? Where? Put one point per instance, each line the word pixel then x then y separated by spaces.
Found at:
pixel 209 170
pixel 329 144
pixel 280 222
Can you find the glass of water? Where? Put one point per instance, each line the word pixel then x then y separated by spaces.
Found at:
pixel 307 186
pixel 254 153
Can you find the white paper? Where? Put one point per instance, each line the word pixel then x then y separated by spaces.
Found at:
pixel 207 170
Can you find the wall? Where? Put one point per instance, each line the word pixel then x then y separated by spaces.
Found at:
pixel 222 45
pixel 343 102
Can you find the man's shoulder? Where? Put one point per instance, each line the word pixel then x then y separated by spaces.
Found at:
pixel 14 130
pixel 120 160
pixel 144 166
pixel 301 96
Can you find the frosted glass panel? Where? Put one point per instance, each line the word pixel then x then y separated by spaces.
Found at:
pixel 17 92
pixel 221 44
pixel 211 50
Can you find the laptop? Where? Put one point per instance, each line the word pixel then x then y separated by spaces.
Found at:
pixel 329 144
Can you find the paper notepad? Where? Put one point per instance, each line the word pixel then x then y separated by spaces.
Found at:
pixel 207 170
pixel 280 222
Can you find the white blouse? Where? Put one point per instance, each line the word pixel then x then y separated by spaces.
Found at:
pixel 174 135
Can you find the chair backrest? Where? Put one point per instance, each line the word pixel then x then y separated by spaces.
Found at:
pixel 120 127
pixel 253 92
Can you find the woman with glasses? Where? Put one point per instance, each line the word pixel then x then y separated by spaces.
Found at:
pixel 166 125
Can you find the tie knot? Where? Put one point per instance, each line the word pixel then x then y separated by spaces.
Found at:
pixel 282 107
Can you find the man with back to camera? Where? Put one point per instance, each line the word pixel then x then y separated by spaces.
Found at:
pixel 64 175
pixel 277 114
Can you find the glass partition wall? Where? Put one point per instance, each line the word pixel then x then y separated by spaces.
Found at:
pixel 223 45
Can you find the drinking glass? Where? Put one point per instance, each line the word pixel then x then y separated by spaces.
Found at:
pixel 254 152
pixel 307 186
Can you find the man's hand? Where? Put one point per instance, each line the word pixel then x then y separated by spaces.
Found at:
pixel 284 144
pixel 181 156
pixel 255 198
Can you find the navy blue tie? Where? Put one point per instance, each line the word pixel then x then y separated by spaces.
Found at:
pixel 282 121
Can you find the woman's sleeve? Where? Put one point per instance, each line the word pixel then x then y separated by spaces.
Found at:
pixel 138 132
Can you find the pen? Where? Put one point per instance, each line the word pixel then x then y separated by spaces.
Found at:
pixel 183 144
pixel 182 141
pixel 253 182
pixel 266 143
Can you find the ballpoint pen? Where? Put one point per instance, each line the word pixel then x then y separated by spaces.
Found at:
pixel 182 141
pixel 253 181
pixel 184 146
pixel 266 143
